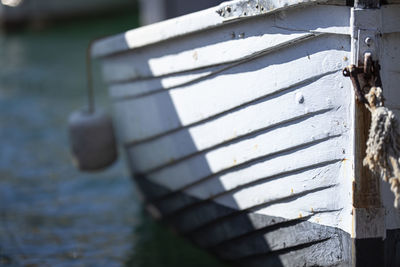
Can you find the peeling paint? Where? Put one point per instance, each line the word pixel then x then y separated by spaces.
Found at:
pixel 246 8
pixel 195 55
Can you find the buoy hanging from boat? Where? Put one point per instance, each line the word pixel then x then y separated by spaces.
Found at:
pixel 91 133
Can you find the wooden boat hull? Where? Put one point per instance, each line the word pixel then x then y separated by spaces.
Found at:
pixel 241 132
pixel 252 239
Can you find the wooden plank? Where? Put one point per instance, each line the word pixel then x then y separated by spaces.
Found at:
pixel 292 206
pixel 202 51
pixel 270 234
pixel 229 194
pixel 279 238
pixel 234 230
pixel 275 240
pixel 275 171
pixel 263 190
pixel 178 27
pixel 184 106
pixel 225 236
pixel 265 114
pixel 270 191
pixel 249 150
pixel 127 90
pixel 241 225
pixel 367 221
pixel 224 45
pixel 287 156
pixel 324 253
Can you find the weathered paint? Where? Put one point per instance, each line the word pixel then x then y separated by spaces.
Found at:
pixel 209 134
pixel 247 238
pixel 236 147
pixel 372 30
pixel 245 8
pixel 171 110
pixel 174 28
pixel 227 125
pixel 223 45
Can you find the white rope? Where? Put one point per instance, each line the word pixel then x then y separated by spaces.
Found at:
pixel 383 145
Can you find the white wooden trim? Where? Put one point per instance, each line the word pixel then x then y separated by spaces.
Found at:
pixel 254 159
pixel 368 220
pixel 161 61
pixel 188 24
pixel 265 114
pixel 228 44
pixel 193 103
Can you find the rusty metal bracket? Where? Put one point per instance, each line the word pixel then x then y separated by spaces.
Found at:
pixel 352 71
pixel 366 75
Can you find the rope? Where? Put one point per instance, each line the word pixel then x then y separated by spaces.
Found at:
pixel 383 145
pixel 89 75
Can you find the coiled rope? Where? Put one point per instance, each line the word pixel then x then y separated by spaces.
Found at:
pixel 383 145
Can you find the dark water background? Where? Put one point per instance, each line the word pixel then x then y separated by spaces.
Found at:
pixel 50 214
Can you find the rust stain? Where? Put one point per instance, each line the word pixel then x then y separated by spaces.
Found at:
pixel 195 55
pixel 234 134
pixel 366 188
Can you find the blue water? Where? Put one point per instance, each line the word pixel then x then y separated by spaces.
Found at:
pixel 51 214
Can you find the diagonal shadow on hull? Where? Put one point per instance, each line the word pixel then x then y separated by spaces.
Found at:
pixel 246 238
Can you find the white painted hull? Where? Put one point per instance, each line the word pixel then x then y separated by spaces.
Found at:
pixel 241 134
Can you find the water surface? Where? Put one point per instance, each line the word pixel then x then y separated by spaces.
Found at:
pixel 51 214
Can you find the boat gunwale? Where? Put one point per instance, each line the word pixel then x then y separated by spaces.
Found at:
pixel 194 22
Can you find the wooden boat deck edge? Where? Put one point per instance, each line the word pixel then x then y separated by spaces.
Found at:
pixel 186 24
